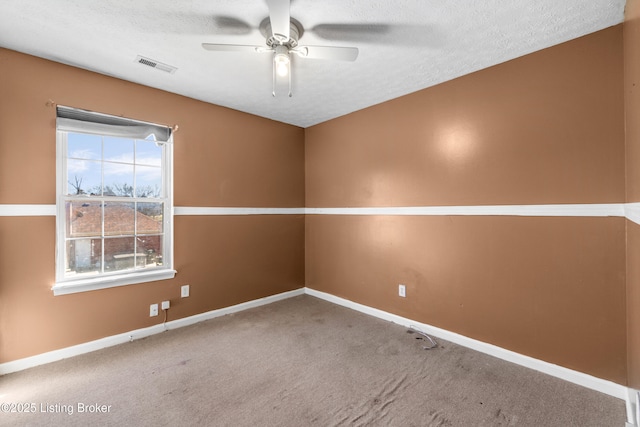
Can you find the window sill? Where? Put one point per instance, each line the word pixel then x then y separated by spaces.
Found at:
pixel 95 283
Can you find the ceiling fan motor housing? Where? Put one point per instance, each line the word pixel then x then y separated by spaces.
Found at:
pixel 295 32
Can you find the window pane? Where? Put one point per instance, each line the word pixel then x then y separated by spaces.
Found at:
pixel 119 253
pixel 148 181
pixel 83 177
pixel 150 218
pixel 118 179
pixel 84 218
pixel 148 153
pixel 119 218
pixel 118 150
pixel 150 224
pixel 149 251
pixel 82 146
pixel 83 256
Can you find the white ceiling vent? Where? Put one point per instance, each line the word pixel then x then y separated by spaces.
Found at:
pixel 156 64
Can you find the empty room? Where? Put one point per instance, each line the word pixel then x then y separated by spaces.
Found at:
pixel 288 212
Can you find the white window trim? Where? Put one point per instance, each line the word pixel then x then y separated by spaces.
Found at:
pixel 62 285
pixel 95 283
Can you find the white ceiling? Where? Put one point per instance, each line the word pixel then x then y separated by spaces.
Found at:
pixel 405 45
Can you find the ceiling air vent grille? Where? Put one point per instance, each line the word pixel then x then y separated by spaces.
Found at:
pixel 155 64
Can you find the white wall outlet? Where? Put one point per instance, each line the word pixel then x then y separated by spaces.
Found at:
pixel 402 291
pixel 184 291
pixel 166 305
pixel 153 310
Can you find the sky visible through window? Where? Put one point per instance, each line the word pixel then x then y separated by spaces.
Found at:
pixel 108 166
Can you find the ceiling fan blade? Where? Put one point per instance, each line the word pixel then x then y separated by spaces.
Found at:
pixel 351 32
pixel 231 25
pixel 327 52
pixel 388 34
pixel 280 19
pixel 235 48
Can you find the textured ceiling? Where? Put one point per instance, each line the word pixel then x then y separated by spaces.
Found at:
pixel 405 45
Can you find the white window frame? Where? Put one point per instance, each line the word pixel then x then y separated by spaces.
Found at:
pixel 68 285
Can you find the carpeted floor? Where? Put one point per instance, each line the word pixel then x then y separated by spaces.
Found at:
pixel 298 362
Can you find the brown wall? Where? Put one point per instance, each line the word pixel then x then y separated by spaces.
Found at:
pixel 546 128
pixel 221 158
pixel 632 114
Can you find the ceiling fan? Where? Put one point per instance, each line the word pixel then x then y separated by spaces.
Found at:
pixel 282 34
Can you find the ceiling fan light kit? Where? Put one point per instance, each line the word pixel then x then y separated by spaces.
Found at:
pixel 281 64
pixel 282 34
pixel 281 60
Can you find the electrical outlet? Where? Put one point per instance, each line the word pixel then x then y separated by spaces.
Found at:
pixel 402 291
pixel 153 310
pixel 165 305
pixel 184 291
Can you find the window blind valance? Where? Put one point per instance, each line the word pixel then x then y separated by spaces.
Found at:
pixel 76 120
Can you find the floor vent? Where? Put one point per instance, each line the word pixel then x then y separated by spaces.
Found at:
pixel 155 64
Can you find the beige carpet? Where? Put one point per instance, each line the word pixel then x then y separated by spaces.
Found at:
pixel 298 362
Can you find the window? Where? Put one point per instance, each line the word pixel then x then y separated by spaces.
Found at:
pixel 114 201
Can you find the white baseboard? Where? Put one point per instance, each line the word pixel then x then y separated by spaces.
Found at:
pixel 610 388
pixel 588 381
pixel 633 408
pixel 76 350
